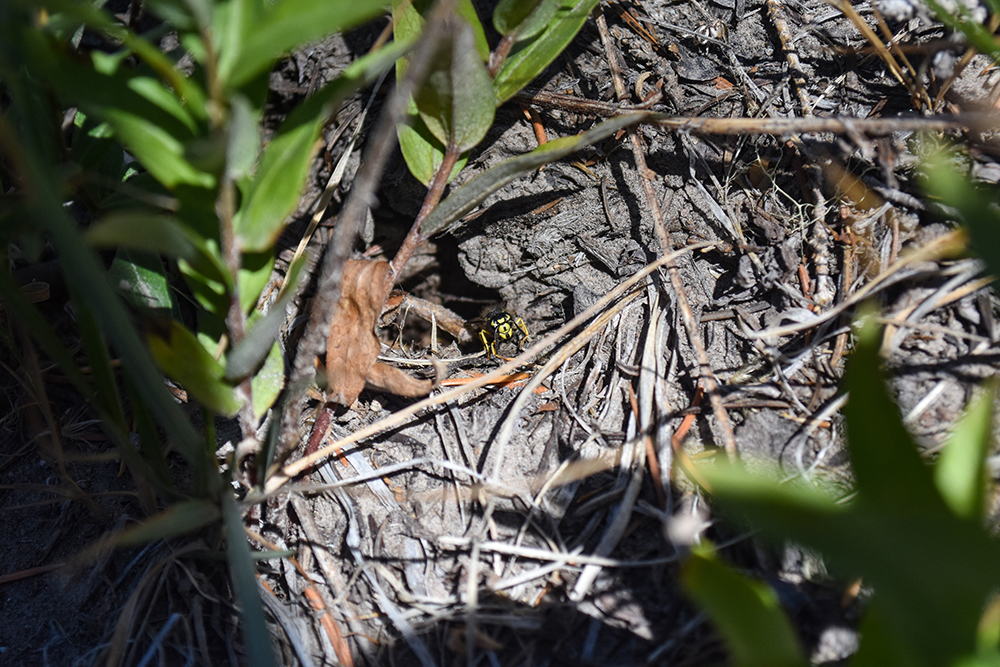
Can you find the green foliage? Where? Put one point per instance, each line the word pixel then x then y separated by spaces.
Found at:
pixel 914 532
pixel 944 180
pixel 911 532
pixel 746 611
pixel 210 196
pixel 177 180
pixel 454 101
pixel 456 105
pixel 957 18
pixel 530 56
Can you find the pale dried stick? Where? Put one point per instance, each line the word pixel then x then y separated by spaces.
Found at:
pixel 791 55
pixel 623 513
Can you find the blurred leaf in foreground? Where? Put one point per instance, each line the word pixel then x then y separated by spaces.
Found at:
pixel 746 612
pixel 932 570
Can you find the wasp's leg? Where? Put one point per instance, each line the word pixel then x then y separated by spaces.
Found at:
pixel 524 329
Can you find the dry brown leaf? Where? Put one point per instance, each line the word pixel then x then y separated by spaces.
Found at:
pixel 352 347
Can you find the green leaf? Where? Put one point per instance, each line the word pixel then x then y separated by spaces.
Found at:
pixel 745 611
pixel 932 570
pixel 232 23
pixel 977 205
pixel 274 191
pixel 454 101
pixel 159 234
pixel 211 295
pixel 79 264
pixel 960 21
pixel 244 137
pixel 143 114
pixel 108 407
pixel 95 150
pixel 268 382
pixel 524 18
pixel 185 87
pixel 141 280
pixel 475 191
pixel 285 25
pixel 961 472
pixel 183 359
pixel 256 638
pixel 253 276
pixel 889 471
pixel 161 153
pixel 422 152
pixel 530 57
pixel 409 17
pixel 258 343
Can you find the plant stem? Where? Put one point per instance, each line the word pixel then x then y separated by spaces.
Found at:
pixel 431 199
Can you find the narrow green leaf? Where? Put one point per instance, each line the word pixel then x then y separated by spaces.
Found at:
pixel 253 276
pixel 258 343
pixel 82 267
pixel 932 570
pixel 961 472
pixel 144 115
pixel 232 23
pixel 531 56
pixel 284 165
pixel 94 16
pixel 475 191
pixel 182 358
pixel 958 20
pixel 745 611
pixel 107 407
pixel 211 295
pixel 524 18
pixel 244 137
pixel 268 382
pixel 178 519
pixel 161 153
pixel 881 645
pixel 467 11
pixel 409 17
pixel 976 205
pixel 95 150
pixel 422 152
pixel 161 235
pixel 256 638
pixel 288 24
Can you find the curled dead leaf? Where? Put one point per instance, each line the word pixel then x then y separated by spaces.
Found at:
pixel 352 347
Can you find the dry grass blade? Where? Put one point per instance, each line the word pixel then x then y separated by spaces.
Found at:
pixel 917 92
pixel 945 245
